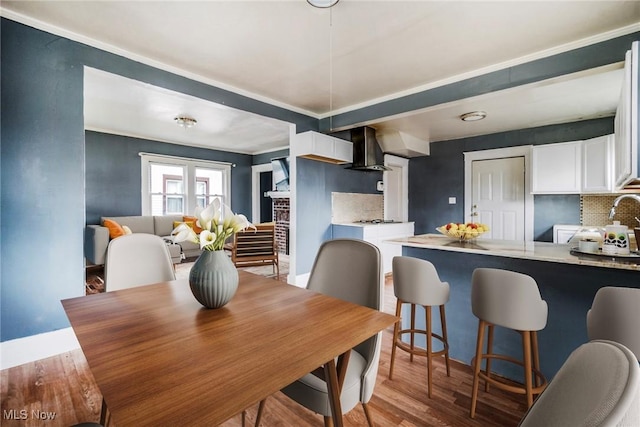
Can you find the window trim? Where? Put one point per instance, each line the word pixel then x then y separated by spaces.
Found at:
pixel 190 165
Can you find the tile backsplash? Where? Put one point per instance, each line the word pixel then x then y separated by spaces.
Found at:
pixel 352 207
pixel 594 210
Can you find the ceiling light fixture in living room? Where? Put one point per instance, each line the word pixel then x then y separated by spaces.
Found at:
pixel 185 122
pixel 322 3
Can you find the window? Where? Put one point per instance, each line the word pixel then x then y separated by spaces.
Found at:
pixel 175 185
pixel 173 194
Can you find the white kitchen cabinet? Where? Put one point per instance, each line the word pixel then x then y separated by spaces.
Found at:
pixel 597 165
pixel 557 168
pixel 626 122
pixel 377 234
pixel 321 147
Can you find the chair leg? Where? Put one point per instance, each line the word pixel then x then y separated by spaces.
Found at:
pixel 328 422
pixel 489 351
pixel 536 358
pixel 443 321
pixel 396 328
pixel 476 367
pixel 260 411
pixel 413 327
pixel 427 310
pixel 526 353
pixel 367 414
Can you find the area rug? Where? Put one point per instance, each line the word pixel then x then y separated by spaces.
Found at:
pixel 182 269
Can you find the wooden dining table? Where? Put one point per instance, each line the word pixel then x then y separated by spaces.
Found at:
pixel 160 358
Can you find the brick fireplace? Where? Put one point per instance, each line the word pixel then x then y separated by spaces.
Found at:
pixel 281 208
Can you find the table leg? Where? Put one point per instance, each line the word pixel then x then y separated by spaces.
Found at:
pixel 104 414
pixel 334 377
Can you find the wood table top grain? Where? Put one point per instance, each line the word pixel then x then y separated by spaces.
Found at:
pixel 160 358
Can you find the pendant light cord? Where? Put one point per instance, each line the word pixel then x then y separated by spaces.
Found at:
pixel 331 69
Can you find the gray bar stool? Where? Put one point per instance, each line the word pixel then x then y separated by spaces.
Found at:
pixel 511 300
pixel 615 316
pixel 416 282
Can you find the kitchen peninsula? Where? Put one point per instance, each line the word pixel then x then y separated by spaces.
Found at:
pixel 567 283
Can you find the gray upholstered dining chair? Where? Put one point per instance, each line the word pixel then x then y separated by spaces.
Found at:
pixel 598 385
pixel 615 316
pixel 137 259
pixel 351 270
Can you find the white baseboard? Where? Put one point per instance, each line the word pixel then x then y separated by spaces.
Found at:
pixel 29 349
pixel 300 280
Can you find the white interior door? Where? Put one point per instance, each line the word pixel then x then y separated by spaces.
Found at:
pixel 497 197
pixel 396 188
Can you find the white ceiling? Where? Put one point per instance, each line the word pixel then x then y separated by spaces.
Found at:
pixel 115 104
pixel 316 61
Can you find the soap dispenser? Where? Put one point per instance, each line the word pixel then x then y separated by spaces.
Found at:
pixel 616 239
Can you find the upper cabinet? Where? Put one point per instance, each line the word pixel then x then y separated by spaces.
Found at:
pixel 321 147
pixel 557 168
pixel 626 123
pixel 573 167
pixel 597 165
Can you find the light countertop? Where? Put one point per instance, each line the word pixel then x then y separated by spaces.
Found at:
pixel 539 251
pixel 369 224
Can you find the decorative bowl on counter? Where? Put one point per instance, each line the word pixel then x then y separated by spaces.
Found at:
pixel 463 231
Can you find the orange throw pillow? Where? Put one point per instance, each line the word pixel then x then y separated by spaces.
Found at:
pixel 177 223
pixel 115 230
pixel 192 220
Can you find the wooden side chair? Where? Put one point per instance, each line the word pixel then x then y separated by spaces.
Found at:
pixel 256 247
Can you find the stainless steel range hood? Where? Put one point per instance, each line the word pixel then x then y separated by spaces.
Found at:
pixel 367 154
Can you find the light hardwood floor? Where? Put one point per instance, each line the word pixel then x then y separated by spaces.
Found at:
pixel 63 384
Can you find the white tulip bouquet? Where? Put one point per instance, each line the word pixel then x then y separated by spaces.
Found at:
pixel 217 223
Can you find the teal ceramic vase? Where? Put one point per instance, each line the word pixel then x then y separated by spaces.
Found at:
pixel 213 279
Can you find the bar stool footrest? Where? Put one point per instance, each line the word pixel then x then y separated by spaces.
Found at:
pixel 420 351
pixel 509 385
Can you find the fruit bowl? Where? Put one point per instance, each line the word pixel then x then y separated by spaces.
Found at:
pixel 463 231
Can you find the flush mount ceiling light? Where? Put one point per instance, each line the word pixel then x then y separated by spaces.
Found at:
pixel 473 116
pixel 185 122
pixel 323 4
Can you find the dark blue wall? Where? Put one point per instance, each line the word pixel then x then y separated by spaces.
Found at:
pixel 42 172
pixel 113 176
pixel 260 159
pixel 315 182
pixel 567 289
pixel 435 178
pixel 43 167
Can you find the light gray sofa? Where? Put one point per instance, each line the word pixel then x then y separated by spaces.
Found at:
pixel 96 237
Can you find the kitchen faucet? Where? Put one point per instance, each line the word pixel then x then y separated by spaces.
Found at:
pixel 612 212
